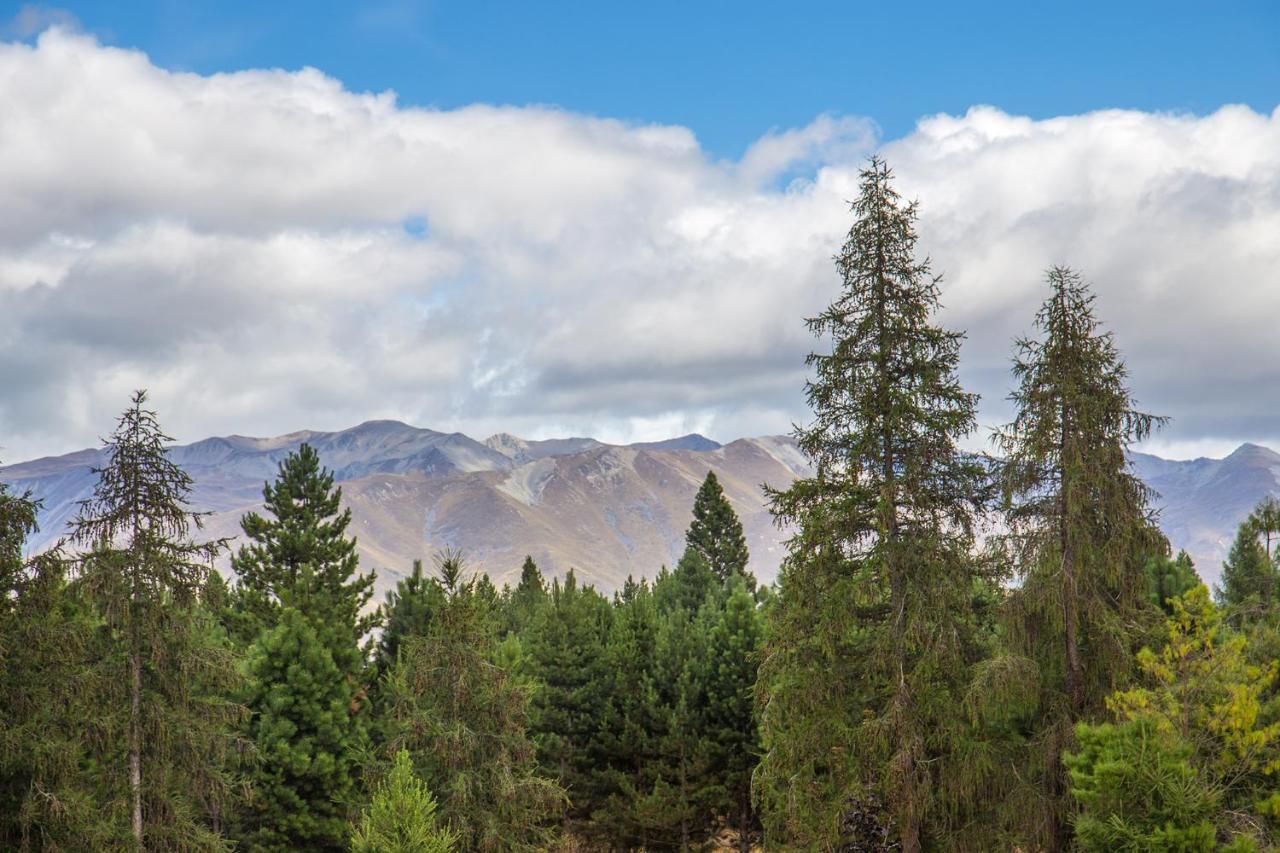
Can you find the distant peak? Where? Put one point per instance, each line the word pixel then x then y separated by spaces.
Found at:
pixel 1249 450
pixel 692 441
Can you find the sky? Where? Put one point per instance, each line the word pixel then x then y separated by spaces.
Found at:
pixel 611 219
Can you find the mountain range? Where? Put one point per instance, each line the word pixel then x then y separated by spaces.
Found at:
pixel 609 511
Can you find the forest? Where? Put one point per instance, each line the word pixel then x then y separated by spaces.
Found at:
pixel 963 651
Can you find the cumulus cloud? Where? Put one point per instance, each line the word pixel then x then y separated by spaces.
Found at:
pixel 267 251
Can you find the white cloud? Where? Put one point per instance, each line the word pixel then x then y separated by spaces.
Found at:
pixel 237 243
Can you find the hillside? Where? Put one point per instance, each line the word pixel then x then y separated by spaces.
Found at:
pixel 607 510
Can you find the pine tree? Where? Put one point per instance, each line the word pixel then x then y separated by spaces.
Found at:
pixel 464 722
pixel 164 712
pixel 305 780
pixel 401 818
pixel 716 532
pixel 861 679
pixel 1250 576
pixel 1081 529
pixel 1194 747
pixel 409 610
pixel 687 588
pixel 566 658
pixel 1168 579
pixel 302 557
pixel 731 729
pixel 522 607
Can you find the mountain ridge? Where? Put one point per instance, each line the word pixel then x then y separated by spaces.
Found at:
pixel 607 510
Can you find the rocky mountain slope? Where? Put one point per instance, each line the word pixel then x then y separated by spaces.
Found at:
pixel 607 510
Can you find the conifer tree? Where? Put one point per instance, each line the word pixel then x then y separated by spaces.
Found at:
pixel 1081 530
pixel 566 658
pixel 1250 577
pixel 521 608
pixel 716 532
pixel 302 557
pixel 164 687
pixel 305 778
pixel 861 678
pixel 47 645
pixel 402 818
pixel 464 722
pixel 408 612
pixel 687 588
pixel 731 730
pixel 1168 579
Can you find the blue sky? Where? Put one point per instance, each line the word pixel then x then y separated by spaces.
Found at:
pixel 730 71
pixel 274 250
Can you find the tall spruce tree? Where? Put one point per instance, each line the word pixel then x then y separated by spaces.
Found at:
pixel 716 532
pixel 464 722
pixel 408 611
pixel 1081 531
pixel 164 716
pixel 862 673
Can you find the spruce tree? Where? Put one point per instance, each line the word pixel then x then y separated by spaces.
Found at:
pixel 862 675
pixel 163 713
pixel 1081 531
pixel 305 779
pixel 687 588
pixel 522 607
pixel 402 818
pixel 1167 579
pixel 716 532
pixel 464 722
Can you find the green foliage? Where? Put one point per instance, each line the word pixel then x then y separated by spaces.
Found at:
pixel 1194 747
pixel 464 721
pixel 401 818
pixel 866 661
pixel 47 646
pixel 1250 576
pixel 522 606
pixel 301 557
pixel 408 612
pixel 164 744
pixel 1168 579
pixel 716 532
pixel 689 587
pixel 1081 531
pixel 305 779
pixel 565 657
pixel 731 734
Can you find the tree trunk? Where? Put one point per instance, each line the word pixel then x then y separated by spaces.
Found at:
pixel 135 740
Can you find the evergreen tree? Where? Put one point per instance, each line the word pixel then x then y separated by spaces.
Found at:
pixel 1081 531
pixel 164 716
pixel 1168 579
pixel 687 588
pixel 408 612
pixel 402 816
pixel 524 604
pixel 862 675
pixel 732 736
pixel 302 557
pixel 566 658
pixel 305 780
pixel 463 720
pixel 1250 577
pixel 47 645
pixel 716 532
pixel 1196 752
